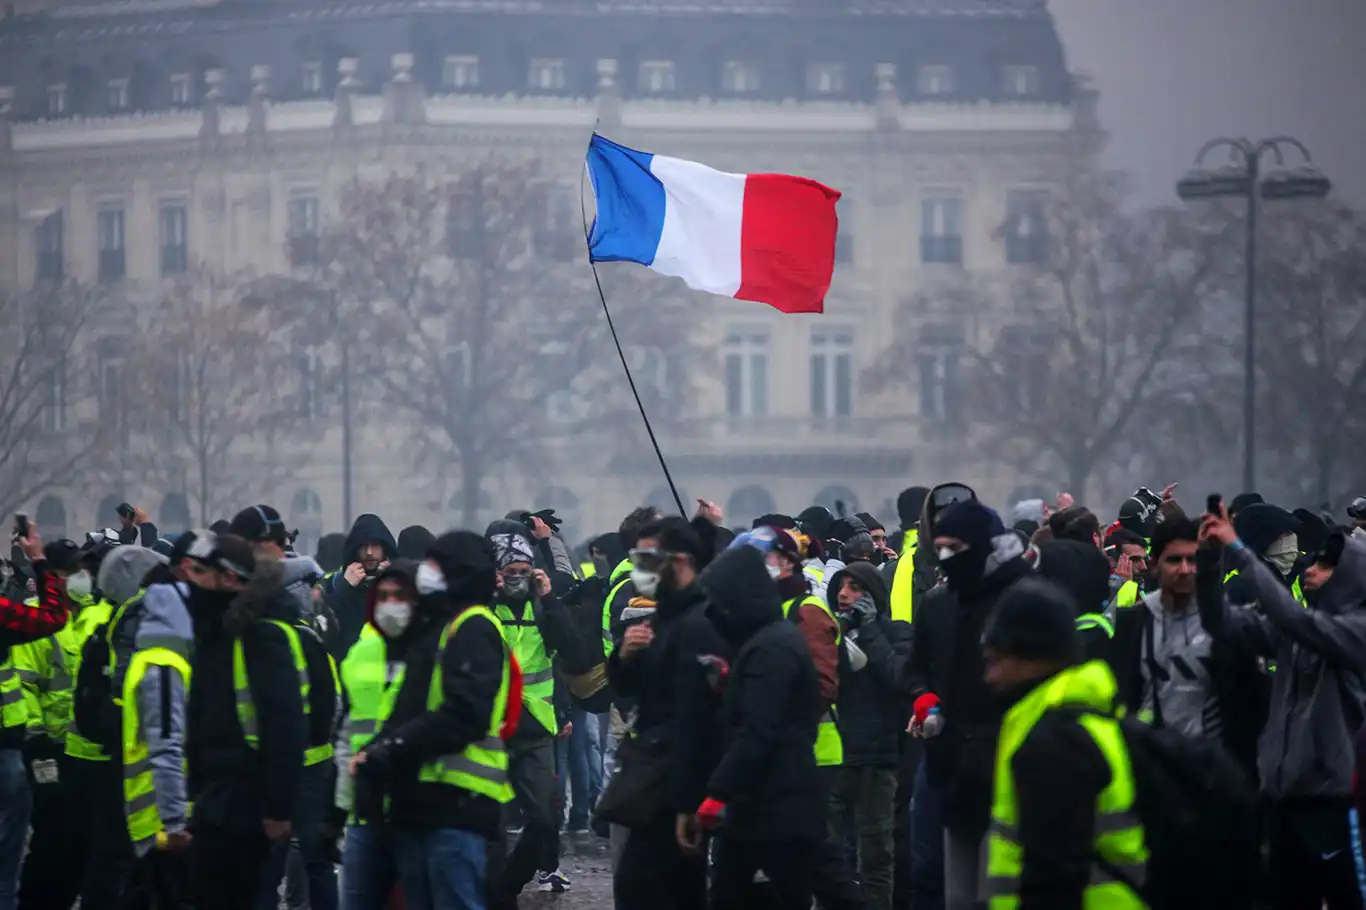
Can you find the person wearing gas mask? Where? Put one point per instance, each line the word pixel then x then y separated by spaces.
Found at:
pixel 369 547
pixel 657 662
pixel 541 633
pixel 980 560
pixel 440 756
pixel 247 730
pixel 371 676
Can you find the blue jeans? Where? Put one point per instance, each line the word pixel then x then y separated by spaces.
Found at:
pixel 582 755
pixel 442 869
pixel 927 844
pixel 16 806
pixel 369 868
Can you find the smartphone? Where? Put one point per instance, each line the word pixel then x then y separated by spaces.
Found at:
pixel 1214 504
pixel 21 524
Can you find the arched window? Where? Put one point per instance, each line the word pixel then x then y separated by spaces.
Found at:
pixel 833 498
pixel 107 515
pixel 482 507
pixel 568 508
pixel 51 518
pixel 174 517
pixel 306 517
pixel 663 500
pixel 747 504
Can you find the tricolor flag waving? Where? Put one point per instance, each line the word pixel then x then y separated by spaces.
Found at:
pixel 769 238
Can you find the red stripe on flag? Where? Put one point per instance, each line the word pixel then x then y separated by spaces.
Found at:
pixel 787 242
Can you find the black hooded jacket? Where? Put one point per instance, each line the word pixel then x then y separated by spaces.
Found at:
pixel 874 703
pixel 471 669
pixel 348 603
pixel 1082 571
pixel 767 773
pixel 234 786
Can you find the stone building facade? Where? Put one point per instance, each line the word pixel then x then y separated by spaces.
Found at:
pixel 139 139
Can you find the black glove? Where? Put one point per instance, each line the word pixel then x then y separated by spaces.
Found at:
pixel 862 613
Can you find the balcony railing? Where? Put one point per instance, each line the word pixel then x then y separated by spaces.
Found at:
pixel 112 264
pixel 50 266
pixel 175 259
pixel 942 249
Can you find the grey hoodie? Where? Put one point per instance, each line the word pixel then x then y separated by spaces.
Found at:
pixel 1186 695
pixel 165 623
pixel 120 579
pixel 1306 748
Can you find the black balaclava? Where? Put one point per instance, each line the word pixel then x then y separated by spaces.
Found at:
pixel 975 525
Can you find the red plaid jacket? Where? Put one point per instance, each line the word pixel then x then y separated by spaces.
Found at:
pixel 21 622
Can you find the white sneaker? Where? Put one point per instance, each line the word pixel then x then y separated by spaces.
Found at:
pixel 555 882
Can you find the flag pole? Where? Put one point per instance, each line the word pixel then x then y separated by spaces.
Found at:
pixel 640 405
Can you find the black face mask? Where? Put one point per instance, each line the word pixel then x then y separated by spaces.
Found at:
pixel 964 571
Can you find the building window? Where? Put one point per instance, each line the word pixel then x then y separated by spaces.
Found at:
pixel 1024 354
pixel 175 259
pixel 546 74
pixel 934 79
pixel 747 372
pixel 844 240
pixel 1021 81
pixel 110 385
pixel 657 76
pixel 54 398
pixel 180 89
pixel 650 367
pixel 941 229
pixel 56 100
pixel 311 78
pixel 825 78
pixel 740 77
pixel 112 258
pixel 51 256
pixel 176 386
pixel 118 94
pixel 304 227
pixel 940 360
pixel 1025 232
pixel 832 371
pixel 308 366
pixel 559 237
pixel 461 71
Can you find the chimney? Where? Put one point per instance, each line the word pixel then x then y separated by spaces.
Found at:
pixel 213 90
pixel 609 94
pixel 403 100
pixel 888 104
pixel 347 67
pixel 258 101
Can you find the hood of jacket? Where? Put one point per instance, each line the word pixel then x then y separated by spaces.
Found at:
pixel 165 620
pixel 122 571
pixel 470 566
pixel 742 598
pixel 925 554
pixel 1346 590
pixel 1078 568
pixel 869 578
pixel 264 598
pixel 368 528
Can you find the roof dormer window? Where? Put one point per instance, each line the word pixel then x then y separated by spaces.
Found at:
pixel 740 77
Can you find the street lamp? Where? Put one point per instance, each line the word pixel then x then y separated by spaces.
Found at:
pixel 1242 177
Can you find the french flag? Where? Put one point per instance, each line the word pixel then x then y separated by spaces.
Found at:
pixel 769 238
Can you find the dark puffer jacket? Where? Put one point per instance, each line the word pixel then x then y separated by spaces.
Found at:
pixel 767 774
pixel 348 604
pixel 874 703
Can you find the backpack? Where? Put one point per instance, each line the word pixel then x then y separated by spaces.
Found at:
pixel 1199 816
pixel 95 701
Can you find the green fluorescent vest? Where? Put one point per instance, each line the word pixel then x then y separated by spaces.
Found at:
pixel 481 767
pixel 902 580
pixel 370 693
pixel 829 745
pixel 139 789
pixel 84 625
pixel 1119 837
pixel 246 708
pixel 47 670
pixel 523 638
pixel 13 711
pixel 620 575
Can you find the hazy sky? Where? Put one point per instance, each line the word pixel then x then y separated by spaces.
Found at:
pixel 1173 73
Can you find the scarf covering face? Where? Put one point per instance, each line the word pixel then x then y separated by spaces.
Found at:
pixel 511 548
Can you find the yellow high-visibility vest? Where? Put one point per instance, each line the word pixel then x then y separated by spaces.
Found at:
pixel 829 745
pixel 903 579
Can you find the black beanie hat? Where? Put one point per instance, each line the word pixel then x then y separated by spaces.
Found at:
pixel 1242 501
pixel 1035 620
pixel 257 523
pixel 909 504
pixel 414 541
pixel 869 522
pixel 815 521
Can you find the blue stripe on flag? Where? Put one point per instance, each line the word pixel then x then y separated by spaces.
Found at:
pixel 630 202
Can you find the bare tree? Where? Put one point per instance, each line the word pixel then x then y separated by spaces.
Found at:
pixel 481 327
pixel 1093 328
pixel 1312 356
pixel 214 401
pixel 50 434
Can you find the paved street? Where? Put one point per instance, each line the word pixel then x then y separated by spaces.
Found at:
pixel 590 871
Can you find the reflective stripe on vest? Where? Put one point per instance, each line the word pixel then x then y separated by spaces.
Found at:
pixel 617 580
pixel 78 631
pixel 1119 838
pixel 139 788
pixel 13 712
pixel 1096 621
pixel 481 767
pixel 372 685
pixel 903 579
pixel 246 708
pixel 829 745
pixel 523 637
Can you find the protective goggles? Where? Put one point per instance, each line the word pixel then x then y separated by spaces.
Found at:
pixel 946 496
pixel 651 560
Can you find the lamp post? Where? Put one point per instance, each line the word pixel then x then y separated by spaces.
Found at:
pixel 1244 177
